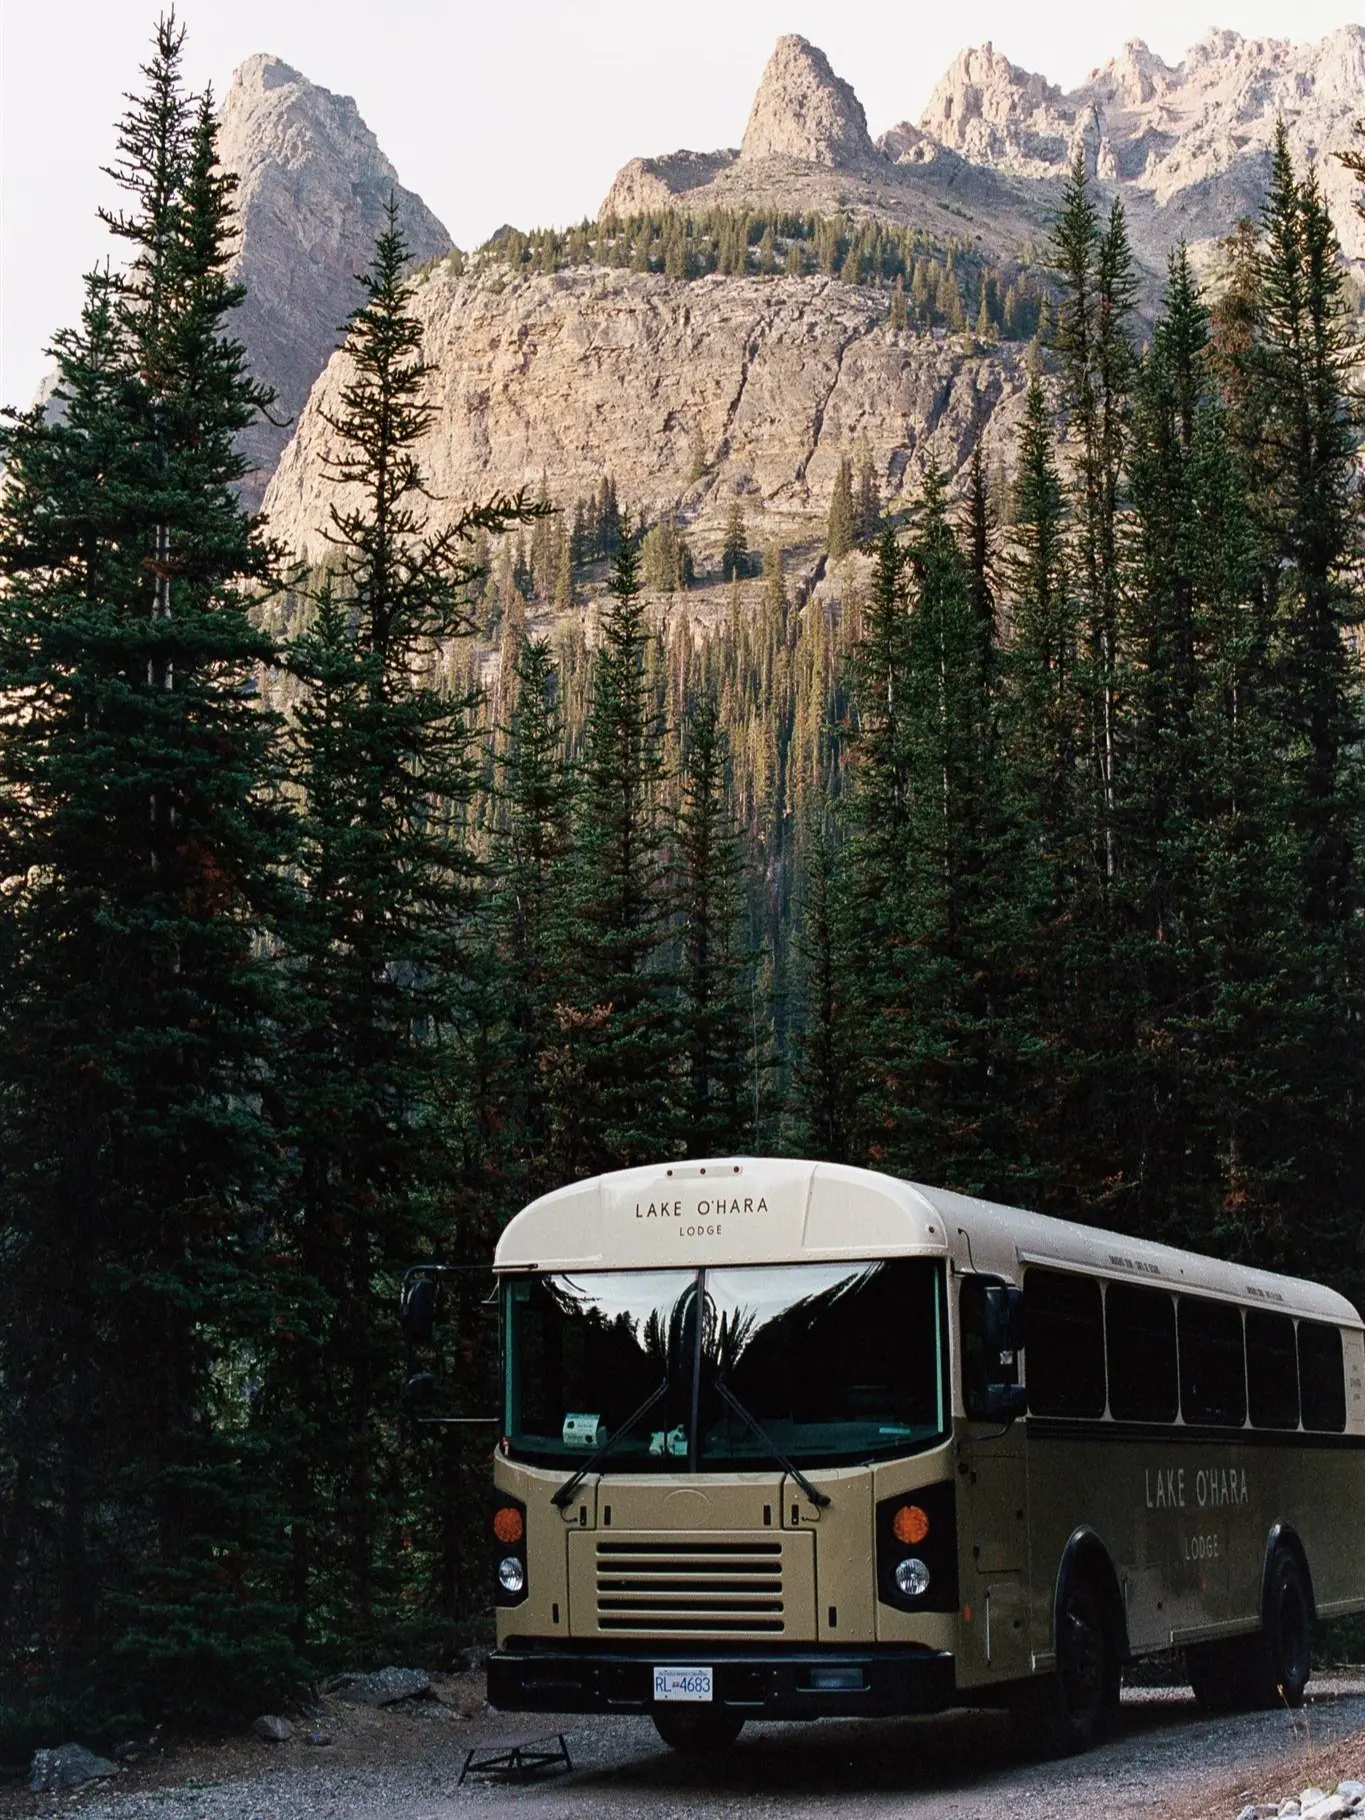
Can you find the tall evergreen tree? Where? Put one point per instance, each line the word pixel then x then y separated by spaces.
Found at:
pixel 734 556
pixel 938 1022
pixel 139 826
pixel 612 1071
pixel 532 885
pixel 1043 735
pixel 839 534
pixel 829 1048
pixel 1302 367
pixel 381 758
pixel 715 978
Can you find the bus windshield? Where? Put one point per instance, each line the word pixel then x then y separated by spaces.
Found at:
pixel 820 1364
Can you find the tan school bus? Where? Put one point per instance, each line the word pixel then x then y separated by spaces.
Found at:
pixel 788 1440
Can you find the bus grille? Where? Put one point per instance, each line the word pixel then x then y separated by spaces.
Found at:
pixel 690 1586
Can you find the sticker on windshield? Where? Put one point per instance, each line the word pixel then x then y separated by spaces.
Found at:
pixel 583 1431
pixel 673 1443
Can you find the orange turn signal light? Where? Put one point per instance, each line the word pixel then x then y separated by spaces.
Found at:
pixel 508 1526
pixel 910 1524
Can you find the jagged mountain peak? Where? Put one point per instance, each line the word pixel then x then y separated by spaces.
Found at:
pixel 313 184
pixel 803 110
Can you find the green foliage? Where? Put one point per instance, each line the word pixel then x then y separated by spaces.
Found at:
pixel 946 281
pixel 378 948
pixel 842 525
pixel 734 556
pixel 141 834
pixel 718 1100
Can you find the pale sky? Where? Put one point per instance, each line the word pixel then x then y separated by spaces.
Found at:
pixel 498 113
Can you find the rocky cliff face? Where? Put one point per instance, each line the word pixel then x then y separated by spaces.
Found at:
pixel 594 371
pixel 591 372
pixel 313 187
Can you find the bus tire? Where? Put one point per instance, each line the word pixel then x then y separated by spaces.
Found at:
pixel 1280 1659
pixel 1058 1714
pixel 697 1733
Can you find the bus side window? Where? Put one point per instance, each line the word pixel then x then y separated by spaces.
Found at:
pixel 1140 1331
pixel 1272 1370
pixel 1321 1377
pixel 1063 1344
pixel 1213 1382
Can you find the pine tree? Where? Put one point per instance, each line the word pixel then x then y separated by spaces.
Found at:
pixel 139 826
pixel 533 882
pixel 1043 735
pixel 867 509
pixel 734 556
pixel 830 1052
pixel 942 1036
pixel 841 528
pixel 1187 543
pixel 612 1067
pixel 1302 368
pixel 978 529
pixel 382 761
pixel 717 1098
pixel 1096 271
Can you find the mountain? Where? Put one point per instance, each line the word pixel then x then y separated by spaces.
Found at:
pixel 807 149
pixel 557 362
pixel 313 185
pixel 1187 145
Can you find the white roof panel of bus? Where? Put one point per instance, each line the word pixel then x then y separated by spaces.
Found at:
pixel 741 1210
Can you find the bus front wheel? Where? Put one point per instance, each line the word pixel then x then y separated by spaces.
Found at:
pixel 697 1732
pixel 1077 1704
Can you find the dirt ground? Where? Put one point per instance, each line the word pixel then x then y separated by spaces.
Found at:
pixel 1169 1762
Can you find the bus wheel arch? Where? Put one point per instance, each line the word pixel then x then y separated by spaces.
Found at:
pixel 1285 1536
pixel 1281 1665
pixel 1076 1703
pixel 1086 1554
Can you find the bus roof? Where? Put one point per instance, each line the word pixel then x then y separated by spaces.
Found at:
pixel 756 1210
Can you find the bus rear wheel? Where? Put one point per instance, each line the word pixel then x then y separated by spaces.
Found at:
pixel 1281 1658
pixel 697 1733
pixel 1076 1705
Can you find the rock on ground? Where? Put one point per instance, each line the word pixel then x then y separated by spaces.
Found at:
pixel 67 1767
pixel 382 1688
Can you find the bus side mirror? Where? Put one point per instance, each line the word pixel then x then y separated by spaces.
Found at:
pixel 1003 1398
pixel 417 1309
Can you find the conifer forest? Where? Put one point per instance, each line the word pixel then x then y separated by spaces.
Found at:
pixel 341 913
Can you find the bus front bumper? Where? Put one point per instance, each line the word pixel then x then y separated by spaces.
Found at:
pixel 813 1684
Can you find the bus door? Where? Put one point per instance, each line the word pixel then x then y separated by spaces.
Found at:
pixel 992 1486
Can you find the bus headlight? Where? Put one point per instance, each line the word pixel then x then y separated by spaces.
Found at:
pixel 512 1575
pixel 912 1577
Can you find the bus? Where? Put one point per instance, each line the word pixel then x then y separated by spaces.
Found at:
pixel 788 1440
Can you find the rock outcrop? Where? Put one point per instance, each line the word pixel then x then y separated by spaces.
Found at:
pixel 1187 145
pixel 313 185
pixel 587 372
pixel 803 110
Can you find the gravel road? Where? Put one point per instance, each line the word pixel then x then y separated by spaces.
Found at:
pixel 404 1763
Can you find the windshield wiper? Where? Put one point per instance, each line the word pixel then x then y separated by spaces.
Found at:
pixel 817 1497
pixel 566 1491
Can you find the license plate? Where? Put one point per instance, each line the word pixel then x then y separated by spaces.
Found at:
pixel 682 1684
